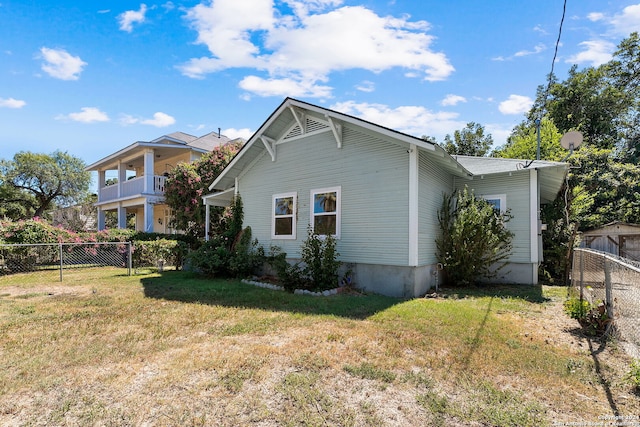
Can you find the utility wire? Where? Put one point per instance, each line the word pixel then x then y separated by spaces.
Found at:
pixel 553 62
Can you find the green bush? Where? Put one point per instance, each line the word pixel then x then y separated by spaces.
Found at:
pixel 320 259
pixel 593 319
pixel 474 239
pixel 633 376
pixel 150 253
pixel 317 269
pixel 576 308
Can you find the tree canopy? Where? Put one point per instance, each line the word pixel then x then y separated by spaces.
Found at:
pixel 40 182
pixel 470 141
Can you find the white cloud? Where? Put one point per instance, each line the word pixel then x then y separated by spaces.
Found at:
pixel 451 100
pixel 86 115
pixel 159 120
pixel 233 133
pixel 540 47
pixel 60 64
pixel 11 103
pixel 628 21
pixel 130 17
pixel 413 120
pixel 515 104
pixel 284 87
pixel 307 45
pixel 595 16
pixel 366 86
pixel 596 52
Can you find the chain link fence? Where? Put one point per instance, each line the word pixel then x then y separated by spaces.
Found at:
pixel 60 259
pixel 615 281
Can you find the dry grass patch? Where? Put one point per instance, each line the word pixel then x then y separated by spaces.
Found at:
pixel 175 349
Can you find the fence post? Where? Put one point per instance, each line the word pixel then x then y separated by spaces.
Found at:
pixel 607 288
pixel 130 247
pixel 60 255
pixel 581 273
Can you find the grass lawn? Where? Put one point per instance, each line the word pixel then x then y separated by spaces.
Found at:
pixel 174 349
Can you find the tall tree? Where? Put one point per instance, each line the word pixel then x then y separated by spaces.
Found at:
pixel 46 180
pixel 523 142
pixel 470 141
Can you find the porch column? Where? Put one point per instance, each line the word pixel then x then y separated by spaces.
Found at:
pixel 101 182
pixel 148 217
pixel 148 175
pixel 122 177
pixel 101 219
pixel 207 219
pixel 122 217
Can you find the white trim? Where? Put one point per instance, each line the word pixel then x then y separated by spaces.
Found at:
pixel 293 216
pixel 413 205
pixel 533 212
pixel 338 191
pixel 500 197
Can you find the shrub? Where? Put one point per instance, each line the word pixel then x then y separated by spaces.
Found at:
pixel 593 319
pixel 474 239
pixel 231 253
pixel 150 253
pixel 321 265
pixel 317 270
pixel 633 376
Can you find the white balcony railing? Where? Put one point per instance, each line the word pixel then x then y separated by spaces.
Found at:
pixel 132 187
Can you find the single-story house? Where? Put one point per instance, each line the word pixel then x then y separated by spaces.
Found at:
pixel 618 238
pixel 378 191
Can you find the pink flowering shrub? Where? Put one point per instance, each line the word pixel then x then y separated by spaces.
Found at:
pixel 188 182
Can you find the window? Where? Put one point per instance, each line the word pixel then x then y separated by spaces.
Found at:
pixel 283 225
pixel 499 201
pixel 325 211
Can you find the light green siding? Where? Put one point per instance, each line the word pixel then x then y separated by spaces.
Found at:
pixel 515 186
pixel 433 183
pixel 373 175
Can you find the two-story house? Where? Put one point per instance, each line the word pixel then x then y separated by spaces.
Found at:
pixel 140 173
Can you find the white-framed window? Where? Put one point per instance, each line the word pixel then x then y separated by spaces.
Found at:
pixel 283 214
pixel 325 211
pixel 499 201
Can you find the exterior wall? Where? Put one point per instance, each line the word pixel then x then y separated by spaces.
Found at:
pixel 394 280
pixel 433 183
pixel 373 176
pixel 516 187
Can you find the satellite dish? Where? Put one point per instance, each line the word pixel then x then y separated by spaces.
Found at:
pixel 571 140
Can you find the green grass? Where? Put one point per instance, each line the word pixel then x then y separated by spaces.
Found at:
pixel 102 348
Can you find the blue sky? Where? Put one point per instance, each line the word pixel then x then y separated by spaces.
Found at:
pixel 92 77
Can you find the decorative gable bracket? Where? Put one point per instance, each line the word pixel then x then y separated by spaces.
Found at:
pixel 270 145
pixel 301 119
pixel 336 128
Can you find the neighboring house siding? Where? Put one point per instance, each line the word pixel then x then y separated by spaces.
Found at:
pixel 433 183
pixel 516 188
pixel 373 176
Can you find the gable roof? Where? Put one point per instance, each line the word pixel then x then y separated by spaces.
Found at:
pixel 172 141
pixel 294 119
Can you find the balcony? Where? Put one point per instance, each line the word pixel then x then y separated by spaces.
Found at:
pixel 132 188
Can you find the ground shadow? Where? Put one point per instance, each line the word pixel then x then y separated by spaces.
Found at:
pixel 191 288
pixel 530 293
